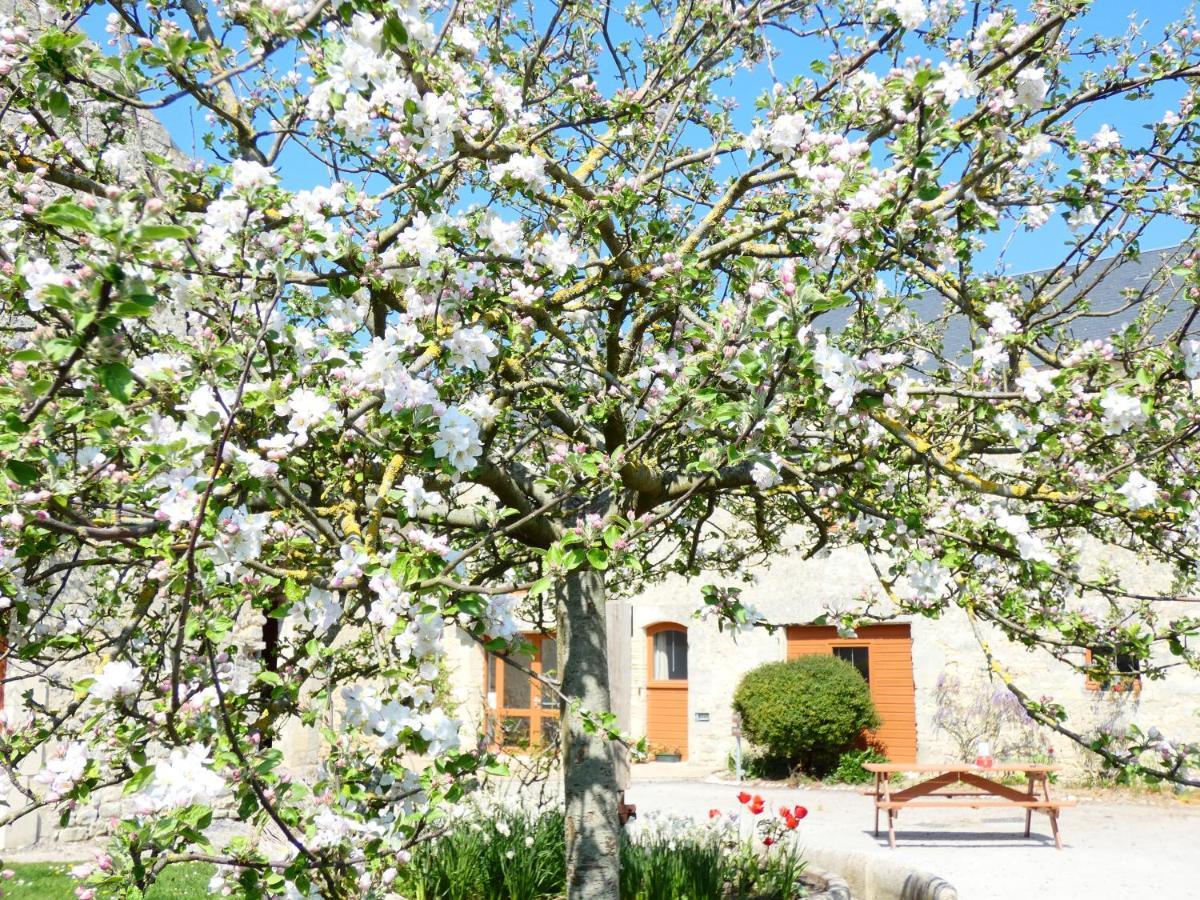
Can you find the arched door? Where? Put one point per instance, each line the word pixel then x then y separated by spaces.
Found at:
pixel 667 688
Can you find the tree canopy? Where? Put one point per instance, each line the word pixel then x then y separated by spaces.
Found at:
pixel 438 314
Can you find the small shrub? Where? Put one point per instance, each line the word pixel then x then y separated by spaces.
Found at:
pixel 806 711
pixel 757 765
pixel 850 766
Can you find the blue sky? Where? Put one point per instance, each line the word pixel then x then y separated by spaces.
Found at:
pixel 1028 250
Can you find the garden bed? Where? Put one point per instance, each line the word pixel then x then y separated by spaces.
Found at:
pixel 512 854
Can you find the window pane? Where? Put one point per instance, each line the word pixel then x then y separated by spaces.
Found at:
pixel 859 657
pixel 549 656
pixel 515 731
pixel 516 684
pixel 549 732
pixel 547 664
pixel 670 656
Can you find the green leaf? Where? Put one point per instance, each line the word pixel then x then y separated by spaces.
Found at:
pixel 163 232
pixel 139 780
pixel 118 380
pixel 59 104
pixel 394 33
pixel 22 472
pixel 598 558
pixel 65 214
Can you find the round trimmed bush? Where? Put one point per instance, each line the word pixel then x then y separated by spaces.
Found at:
pixel 806 711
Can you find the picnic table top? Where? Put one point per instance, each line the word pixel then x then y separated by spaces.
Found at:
pixel 891 768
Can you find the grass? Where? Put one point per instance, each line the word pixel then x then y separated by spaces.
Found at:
pixel 50 881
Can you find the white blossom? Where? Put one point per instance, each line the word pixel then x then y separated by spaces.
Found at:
pixel 320 610
pixel 40 276
pixel 458 440
pixel 504 237
pixel 1138 491
pixel 911 13
pixel 238 539
pixel 184 778
pixel 63 769
pixel 529 171
pixel 557 254
pixel 472 348
pixel 1031 86
pixel 1121 411
pixel 118 680
pixel 416 498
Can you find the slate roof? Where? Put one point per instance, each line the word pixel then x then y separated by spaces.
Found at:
pixel 1104 297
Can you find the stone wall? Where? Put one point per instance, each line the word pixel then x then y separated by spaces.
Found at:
pixel 792 590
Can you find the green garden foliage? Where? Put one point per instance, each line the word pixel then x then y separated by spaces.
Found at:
pixel 514 855
pixel 806 711
pixel 850 766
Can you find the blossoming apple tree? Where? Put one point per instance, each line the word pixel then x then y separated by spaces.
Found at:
pixel 438 314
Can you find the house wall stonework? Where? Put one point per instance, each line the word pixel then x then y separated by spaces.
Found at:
pixel 793 590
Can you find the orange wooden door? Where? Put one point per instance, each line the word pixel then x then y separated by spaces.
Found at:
pixel 667 688
pixel 885 653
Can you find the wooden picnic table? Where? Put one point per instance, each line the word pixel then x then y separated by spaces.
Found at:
pixel 965 785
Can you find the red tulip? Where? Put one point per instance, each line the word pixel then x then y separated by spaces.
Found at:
pixel 791 822
pixel 743 797
pixel 713 813
pixel 768 841
pixel 784 812
pixel 799 812
pixel 756 805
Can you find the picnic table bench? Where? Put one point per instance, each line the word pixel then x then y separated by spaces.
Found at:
pixel 964 785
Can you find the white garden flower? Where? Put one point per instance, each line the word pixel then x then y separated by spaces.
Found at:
pixel 40 276
pixel 1031 87
pixel 927 579
pixel 417 498
pixel 911 13
pixel 557 254
pixel 118 680
pixel 178 504
pixel 1003 322
pixel 956 81
pixel 1036 383
pixel 529 171
pixel 307 410
pixel 320 610
pixel 63 769
pixel 246 175
pixel 238 539
pixel 765 476
pixel 504 237
pixel 1191 359
pixel 420 240
pixel 472 348
pixel 184 778
pixel 501 617
pixel 458 440
pixel 1138 491
pixel 1121 411
pixel 1107 138
pixel 786 133
pixel 167 366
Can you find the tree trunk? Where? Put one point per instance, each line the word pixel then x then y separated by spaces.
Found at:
pixel 589 760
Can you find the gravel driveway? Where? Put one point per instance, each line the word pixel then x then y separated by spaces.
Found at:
pixel 1111 849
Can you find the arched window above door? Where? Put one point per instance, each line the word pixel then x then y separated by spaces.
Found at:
pixel 668 653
